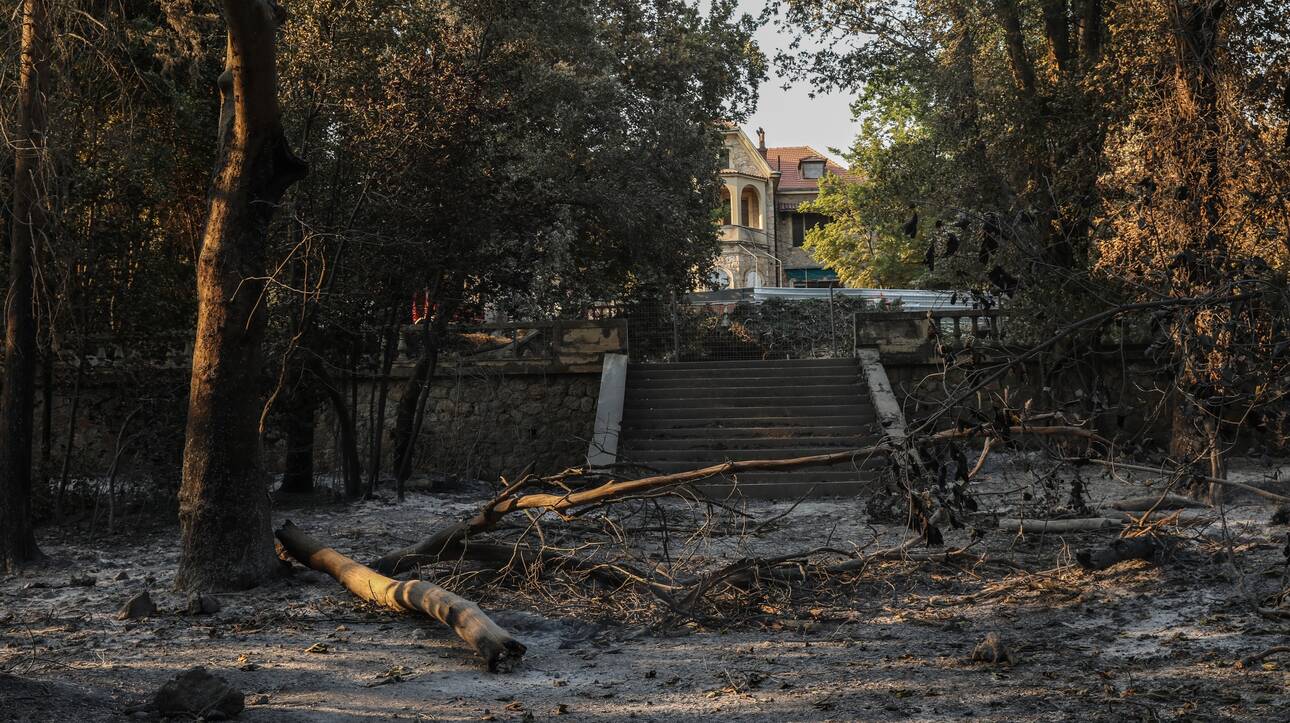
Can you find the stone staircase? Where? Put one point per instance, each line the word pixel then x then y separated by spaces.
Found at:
pixel 688 415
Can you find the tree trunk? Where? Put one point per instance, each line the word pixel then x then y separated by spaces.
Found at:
pixel 70 442
pixel 499 650
pixel 46 400
pixel 382 395
pixel 223 501
pixel 416 394
pixel 352 470
pixel 1057 29
pixel 1015 41
pixel 17 401
pixel 298 423
pixel 1196 431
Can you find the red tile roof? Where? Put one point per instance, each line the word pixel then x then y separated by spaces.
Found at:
pixel 787 160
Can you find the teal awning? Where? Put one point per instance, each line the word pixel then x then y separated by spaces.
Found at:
pixel 811 274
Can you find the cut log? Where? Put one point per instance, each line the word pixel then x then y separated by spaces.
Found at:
pixel 496 646
pixel 1041 526
pixel 1155 502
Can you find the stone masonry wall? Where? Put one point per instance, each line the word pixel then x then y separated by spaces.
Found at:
pixel 484 424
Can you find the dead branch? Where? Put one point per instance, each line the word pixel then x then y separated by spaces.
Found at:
pixel 1054 431
pixel 1250 660
pixel 495 645
pixel 569 502
pixel 1226 482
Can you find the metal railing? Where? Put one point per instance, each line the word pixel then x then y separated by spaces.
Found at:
pixel 665 331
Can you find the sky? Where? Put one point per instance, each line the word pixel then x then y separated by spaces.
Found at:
pixel 791 117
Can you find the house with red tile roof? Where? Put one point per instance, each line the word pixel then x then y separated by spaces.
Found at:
pixel 762 230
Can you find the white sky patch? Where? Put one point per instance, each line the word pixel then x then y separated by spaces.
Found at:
pixel 792 117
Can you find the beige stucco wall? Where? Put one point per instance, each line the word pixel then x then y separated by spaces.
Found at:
pixel 747 247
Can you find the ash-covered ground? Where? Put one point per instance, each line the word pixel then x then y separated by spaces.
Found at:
pixel 892 641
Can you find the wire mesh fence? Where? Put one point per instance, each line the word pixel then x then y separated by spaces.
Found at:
pixel 681 330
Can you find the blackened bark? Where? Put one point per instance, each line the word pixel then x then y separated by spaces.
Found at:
pixel 382 396
pixel 412 405
pixel 351 469
pixel 223 501
pixel 298 428
pixel 1058 31
pixel 17 400
pixel 1015 41
pixel 1091 32
pixel 1196 432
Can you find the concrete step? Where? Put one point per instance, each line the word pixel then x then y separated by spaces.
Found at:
pixel 753 399
pixel 682 460
pixel 645 426
pixel 836 473
pixel 750 364
pixel 640 446
pixel 856 412
pixel 784 489
pixel 691 391
pixel 767 377
pixel 752 432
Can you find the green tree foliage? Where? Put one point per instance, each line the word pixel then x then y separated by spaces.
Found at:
pixel 1028 125
pixel 1078 154
pixel 544 154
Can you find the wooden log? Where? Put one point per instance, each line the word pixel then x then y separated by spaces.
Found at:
pixel 1155 502
pixel 496 646
pixel 1041 526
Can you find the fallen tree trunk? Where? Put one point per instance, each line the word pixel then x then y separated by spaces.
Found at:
pixel 495 645
pixel 1073 525
pixel 1155 502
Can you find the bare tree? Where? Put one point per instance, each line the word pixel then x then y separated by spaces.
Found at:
pixel 223 502
pixel 17 540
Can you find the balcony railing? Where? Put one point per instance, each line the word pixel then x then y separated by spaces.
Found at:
pixel 731 234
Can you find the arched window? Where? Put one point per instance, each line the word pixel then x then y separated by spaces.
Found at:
pixel 719 279
pixel 725 205
pixel 750 207
pixel 752 280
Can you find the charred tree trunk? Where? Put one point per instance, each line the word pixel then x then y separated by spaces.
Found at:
pixel 382 395
pixel 298 426
pixel 17 401
pixel 411 409
pixel 1196 432
pixel 1015 42
pixel 223 501
pixel 352 470
pixel 69 442
pixel 46 408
